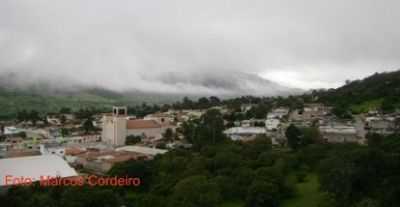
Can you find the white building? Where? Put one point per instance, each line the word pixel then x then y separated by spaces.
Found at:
pixel 52 149
pixel 117 126
pixel 34 168
pixel 338 133
pixel 278 113
pixel 142 150
pixel 272 124
pixel 381 125
pixel 244 133
pixel 8 130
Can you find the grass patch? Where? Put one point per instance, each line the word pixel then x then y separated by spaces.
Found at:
pixel 307 193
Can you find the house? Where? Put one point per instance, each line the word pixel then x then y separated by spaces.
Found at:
pixel 33 168
pixel 161 118
pixel 83 139
pixel 309 115
pixel 53 120
pixel 246 107
pixel 381 125
pixel 272 124
pixel 278 113
pixel 117 126
pixel 10 130
pixel 52 149
pixel 145 128
pixel 4 147
pixel 244 133
pixel 179 144
pixel 339 133
pixel 101 161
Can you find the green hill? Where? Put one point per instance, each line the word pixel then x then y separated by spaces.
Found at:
pixel 378 91
pixel 13 100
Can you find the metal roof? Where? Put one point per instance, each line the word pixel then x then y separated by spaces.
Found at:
pixel 142 150
pixel 33 167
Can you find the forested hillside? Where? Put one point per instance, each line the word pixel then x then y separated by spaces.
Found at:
pixel 43 100
pixel 378 91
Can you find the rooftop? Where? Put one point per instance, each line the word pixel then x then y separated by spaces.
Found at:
pixel 142 124
pixel 245 130
pixel 35 166
pixel 142 150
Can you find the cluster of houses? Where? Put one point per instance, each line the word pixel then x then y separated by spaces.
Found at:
pixel 98 151
pixel 319 116
pixel 95 152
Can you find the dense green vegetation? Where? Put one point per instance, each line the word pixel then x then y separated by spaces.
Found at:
pixel 243 174
pixel 379 91
pixel 14 100
pixel 307 193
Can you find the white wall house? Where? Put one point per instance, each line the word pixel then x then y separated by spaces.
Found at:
pixel 339 133
pixel 244 133
pixel 272 124
pixel 8 130
pixel 52 150
pixel 278 113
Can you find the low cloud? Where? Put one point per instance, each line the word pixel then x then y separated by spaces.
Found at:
pixel 183 45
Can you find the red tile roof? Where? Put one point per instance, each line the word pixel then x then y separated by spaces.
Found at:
pixel 142 124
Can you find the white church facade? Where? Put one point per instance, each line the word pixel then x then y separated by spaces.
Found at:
pixel 118 125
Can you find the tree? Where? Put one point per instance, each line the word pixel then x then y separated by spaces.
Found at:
pixel 397 125
pixel 63 119
pixel 389 104
pixel 374 139
pixel 168 135
pixel 259 111
pixel 311 135
pixel 64 132
pixel 203 103
pixel 293 135
pixel 88 125
pixel 33 116
pixel 206 130
pixel 367 202
pixel 260 144
pixel 342 111
pixel 132 140
pixel 135 168
pixel 187 103
pixel 89 196
pixel 211 127
pixel 262 194
pixel 22 116
pixel 65 110
pixel 195 191
pixel 215 100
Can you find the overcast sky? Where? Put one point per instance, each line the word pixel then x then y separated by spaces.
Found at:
pixel 137 43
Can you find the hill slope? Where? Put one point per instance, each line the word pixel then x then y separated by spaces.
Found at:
pixel 49 96
pixel 380 91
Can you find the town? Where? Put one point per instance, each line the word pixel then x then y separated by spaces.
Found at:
pixel 91 142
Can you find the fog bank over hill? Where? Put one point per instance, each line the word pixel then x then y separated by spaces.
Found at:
pixel 192 84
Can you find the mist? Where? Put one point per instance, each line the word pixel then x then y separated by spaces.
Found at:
pixel 208 46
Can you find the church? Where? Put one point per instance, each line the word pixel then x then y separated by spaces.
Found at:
pixel 118 125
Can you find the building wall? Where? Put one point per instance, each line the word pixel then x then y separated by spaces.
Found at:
pixel 114 130
pixel 340 138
